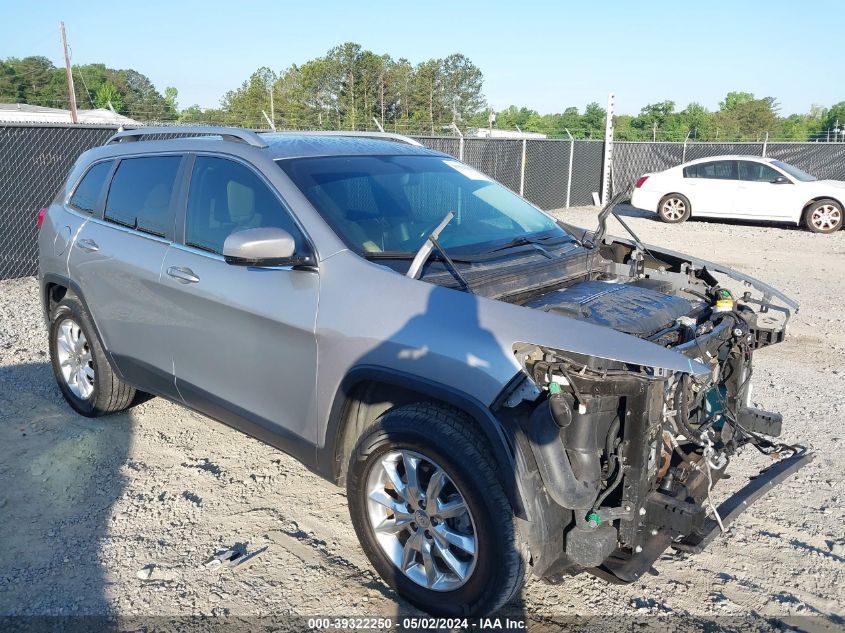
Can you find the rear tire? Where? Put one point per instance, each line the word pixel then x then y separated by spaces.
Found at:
pixel 80 366
pixel 674 208
pixel 823 216
pixel 414 552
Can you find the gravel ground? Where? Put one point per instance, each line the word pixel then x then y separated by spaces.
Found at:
pixel 87 506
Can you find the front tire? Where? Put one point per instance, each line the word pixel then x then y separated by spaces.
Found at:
pixel 82 371
pixel 431 513
pixel 823 216
pixel 674 208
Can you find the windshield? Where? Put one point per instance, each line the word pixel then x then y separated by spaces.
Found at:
pixel 794 171
pixel 389 204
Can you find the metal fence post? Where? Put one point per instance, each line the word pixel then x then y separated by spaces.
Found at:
pixel 460 142
pixel 765 144
pixel 608 152
pixel 684 153
pixel 569 175
pixel 522 169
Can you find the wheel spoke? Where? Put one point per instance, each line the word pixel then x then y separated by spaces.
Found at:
pixel 395 525
pixel 411 476
pixel 399 486
pixel 451 509
pixel 409 553
pixel 435 486
pixel 85 388
pixel 64 339
pixel 458 567
pixel 382 498
pixel 431 573
pixel 88 372
pixel 446 536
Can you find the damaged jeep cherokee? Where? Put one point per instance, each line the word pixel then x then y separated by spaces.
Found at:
pixel 498 391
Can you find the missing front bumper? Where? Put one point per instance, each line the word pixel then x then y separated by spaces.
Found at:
pixel 736 504
pixel 631 568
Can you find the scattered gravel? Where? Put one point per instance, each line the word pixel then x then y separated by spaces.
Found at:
pixel 119 515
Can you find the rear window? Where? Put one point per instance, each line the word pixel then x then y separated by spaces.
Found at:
pixel 140 192
pixel 88 191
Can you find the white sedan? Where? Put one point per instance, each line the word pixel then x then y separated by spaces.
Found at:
pixel 742 188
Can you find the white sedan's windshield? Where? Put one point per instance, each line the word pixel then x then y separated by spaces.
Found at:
pixel 391 203
pixel 794 171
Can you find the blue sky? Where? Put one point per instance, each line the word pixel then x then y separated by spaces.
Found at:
pixel 542 54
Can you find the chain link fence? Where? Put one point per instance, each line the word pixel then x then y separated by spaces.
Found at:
pixel 551 173
pixel 34 162
pixel 538 169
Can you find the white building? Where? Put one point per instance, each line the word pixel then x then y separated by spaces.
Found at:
pixel 25 113
pixel 484 132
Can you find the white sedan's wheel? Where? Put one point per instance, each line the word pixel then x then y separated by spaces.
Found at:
pixel 823 216
pixel 674 208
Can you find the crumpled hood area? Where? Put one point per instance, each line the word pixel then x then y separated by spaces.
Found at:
pixel 638 308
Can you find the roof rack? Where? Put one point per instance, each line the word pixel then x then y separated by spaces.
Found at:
pixel 237 135
pixel 387 136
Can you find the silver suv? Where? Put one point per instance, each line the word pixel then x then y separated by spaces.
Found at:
pixel 498 391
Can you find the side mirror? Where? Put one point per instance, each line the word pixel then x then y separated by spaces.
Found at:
pixel 263 246
pixel 781 180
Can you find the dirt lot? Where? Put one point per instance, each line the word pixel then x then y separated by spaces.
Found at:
pixel 86 505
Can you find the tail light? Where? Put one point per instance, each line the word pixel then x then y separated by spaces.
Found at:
pixel 641 181
pixel 41 215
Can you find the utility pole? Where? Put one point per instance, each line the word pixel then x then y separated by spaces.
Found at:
pixel 70 90
pixel 272 109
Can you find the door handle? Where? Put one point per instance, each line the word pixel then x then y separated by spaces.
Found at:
pixel 89 246
pixel 183 275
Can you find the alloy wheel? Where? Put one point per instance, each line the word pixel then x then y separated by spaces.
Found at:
pixel 674 209
pixel 826 217
pixel 75 359
pixel 421 520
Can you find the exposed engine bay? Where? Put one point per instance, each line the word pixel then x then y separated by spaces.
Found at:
pixel 624 457
pixel 631 453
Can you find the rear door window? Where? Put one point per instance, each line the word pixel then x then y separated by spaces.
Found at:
pixel 141 192
pixel 717 170
pixel 88 190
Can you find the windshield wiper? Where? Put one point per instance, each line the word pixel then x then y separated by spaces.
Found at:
pixel 537 242
pixel 430 243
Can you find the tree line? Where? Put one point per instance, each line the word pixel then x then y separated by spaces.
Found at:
pixel 351 87
pixel 35 80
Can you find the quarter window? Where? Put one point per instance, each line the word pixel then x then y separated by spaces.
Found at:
pixel 756 172
pixel 140 193
pixel 226 197
pixel 88 190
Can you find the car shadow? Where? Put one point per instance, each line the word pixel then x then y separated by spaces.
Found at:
pixel 468 358
pixel 59 478
pixel 628 211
